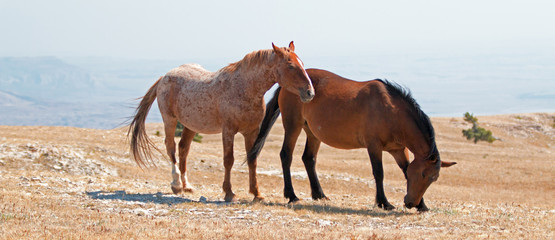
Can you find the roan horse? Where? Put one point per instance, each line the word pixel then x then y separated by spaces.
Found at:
pixel 376 115
pixel 228 101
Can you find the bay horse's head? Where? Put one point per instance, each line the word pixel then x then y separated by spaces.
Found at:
pixel 419 138
pixel 421 173
pixel 291 73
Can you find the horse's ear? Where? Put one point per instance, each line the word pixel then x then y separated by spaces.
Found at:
pixel 447 164
pixel 277 50
pixel 292 46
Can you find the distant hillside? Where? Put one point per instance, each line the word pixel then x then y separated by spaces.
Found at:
pixel 49 91
pixel 42 77
pixel 8 99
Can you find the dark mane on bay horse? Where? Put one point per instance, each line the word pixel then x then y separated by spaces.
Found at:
pixel 421 119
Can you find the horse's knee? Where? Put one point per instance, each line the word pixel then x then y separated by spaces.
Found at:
pixel 283 154
pixel 309 160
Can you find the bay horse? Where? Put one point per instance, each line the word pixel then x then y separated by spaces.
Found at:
pixel 228 101
pixel 377 115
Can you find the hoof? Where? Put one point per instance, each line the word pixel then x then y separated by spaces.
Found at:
pixel 422 206
pixel 176 190
pixel 230 198
pixel 423 209
pixel 258 199
pixel 293 200
pixel 386 206
pixel 321 197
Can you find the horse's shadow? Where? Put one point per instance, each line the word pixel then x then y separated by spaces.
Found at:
pixel 160 198
pixel 157 198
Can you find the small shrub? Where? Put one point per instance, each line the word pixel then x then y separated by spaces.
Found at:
pixel 197 138
pixel 476 133
pixel 179 130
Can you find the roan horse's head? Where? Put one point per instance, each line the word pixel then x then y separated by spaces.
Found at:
pixel 420 174
pixel 291 73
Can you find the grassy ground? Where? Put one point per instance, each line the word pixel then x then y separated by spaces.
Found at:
pixel 62 182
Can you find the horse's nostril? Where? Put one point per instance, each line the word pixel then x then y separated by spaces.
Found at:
pixel 310 93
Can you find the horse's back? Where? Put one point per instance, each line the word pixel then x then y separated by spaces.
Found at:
pixel 346 113
pixel 190 72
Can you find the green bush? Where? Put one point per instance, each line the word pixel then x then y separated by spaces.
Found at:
pixel 476 133
pixel 179 130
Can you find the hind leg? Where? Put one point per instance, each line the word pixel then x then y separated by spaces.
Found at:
pixel 169 128
pixel 228 136
pixel 309 159
pixel 402 159
pixel 184 146
pixel 250 137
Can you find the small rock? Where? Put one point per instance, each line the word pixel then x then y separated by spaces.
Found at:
pixel 324 223
pixel 141 212
pixel 22 178
pixel 202 199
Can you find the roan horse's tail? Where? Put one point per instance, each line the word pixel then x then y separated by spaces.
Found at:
pixel 140 144
pixel 272 112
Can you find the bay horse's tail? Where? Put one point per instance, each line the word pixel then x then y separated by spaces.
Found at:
pixel 272 112
pixel 140 144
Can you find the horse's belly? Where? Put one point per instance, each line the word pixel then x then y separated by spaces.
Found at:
pixel 199 125
pixel 336 136
pixel 199 116
pixel 334 126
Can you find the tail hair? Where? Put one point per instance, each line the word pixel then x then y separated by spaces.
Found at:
pixel 140 145
pixel 270 117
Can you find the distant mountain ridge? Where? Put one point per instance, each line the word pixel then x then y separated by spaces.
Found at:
pixel 8 100
pixel 50 91
pixel 41 76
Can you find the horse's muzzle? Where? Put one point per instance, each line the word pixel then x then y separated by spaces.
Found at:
pixel 409 205
pixel 306 95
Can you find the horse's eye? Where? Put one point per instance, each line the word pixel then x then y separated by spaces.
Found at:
pixel 423 175
pixel 291 67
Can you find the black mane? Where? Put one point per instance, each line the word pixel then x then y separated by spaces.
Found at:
pixel 420 118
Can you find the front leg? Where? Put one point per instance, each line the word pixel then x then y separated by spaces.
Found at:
pixel 422 206
pixel 227 137
pixel 292 132
pixel 377 170
pixel 250 137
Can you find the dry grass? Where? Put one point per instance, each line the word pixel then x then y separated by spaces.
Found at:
pixel 61 182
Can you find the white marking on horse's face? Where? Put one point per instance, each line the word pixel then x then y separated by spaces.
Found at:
pixel 300 62
pixel 304 71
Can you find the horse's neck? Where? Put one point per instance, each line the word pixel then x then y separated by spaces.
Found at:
pixel 415 140
pixel 252 82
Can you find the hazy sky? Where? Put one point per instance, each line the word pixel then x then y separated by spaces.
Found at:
pixel 229 29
